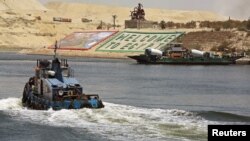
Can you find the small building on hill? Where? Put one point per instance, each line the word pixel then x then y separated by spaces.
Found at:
pixel 138 19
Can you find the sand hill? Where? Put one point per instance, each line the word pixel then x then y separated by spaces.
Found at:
pixel 104 13
pixel 29 25
pixel 21 5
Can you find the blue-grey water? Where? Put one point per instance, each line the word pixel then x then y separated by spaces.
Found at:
pixel 142 102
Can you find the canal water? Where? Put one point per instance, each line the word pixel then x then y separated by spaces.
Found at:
pixel 142 102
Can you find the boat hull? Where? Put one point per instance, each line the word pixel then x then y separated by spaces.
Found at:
pixel 39 102
pixel 143 59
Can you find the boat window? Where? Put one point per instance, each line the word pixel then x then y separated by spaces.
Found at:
pixel 65 72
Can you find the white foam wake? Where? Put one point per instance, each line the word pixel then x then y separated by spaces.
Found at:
pixel 10 104
pixel 118 122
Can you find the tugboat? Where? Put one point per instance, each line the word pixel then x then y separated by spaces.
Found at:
pixel 176 54
pixel 54 86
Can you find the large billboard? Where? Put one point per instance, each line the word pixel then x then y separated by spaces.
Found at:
pixel 83 40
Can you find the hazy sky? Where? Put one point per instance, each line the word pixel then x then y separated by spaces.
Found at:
pixel 233 8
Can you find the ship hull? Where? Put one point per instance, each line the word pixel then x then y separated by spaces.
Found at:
pixel 39 102
pixel 143 59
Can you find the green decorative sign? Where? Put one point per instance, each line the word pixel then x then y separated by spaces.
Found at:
pixel 137 41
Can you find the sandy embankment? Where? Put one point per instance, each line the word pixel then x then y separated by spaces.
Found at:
pixel 28 25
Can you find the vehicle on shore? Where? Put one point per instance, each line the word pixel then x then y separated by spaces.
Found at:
pixel 177 55
pixel 54 86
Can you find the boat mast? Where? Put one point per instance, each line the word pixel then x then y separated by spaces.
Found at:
pixel 55 48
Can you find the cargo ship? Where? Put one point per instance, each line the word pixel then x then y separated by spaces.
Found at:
pixel 176 54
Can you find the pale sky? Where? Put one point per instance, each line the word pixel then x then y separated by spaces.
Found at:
pixel 232 8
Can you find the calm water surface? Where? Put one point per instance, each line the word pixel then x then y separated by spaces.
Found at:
pixel 143 102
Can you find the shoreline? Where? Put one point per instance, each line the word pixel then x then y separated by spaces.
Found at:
pixel 67 53
pixel 91 53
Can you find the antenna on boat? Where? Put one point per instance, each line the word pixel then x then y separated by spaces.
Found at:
pixel 55 48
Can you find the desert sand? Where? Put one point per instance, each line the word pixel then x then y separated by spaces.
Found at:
pixel 28 26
